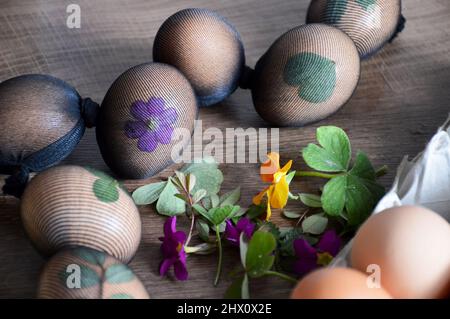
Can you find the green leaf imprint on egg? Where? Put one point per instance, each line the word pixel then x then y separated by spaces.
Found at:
pixel 106 188
pixel 314 74
pixel 366 4
pixel 118 273
pixel 335 10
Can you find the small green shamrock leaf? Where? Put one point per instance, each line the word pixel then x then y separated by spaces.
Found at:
pixel 366 4
pixel 92 256
pixel 168 204
pixel 118 273
pixel 202 229
pixel 310 200
pixel 315 224
pixel 314 74
pixel 218 215
pixel 230 198
pixel 357 192
pixel 260 257
pixel 148 194
pixel 238 289
pixel 207 174
pixel 105 188
pixel 291 215
pixel 335 10
pixel 334 152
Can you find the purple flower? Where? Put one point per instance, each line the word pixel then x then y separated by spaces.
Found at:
pixel 153 123
pixel 232 233
pixel 172 248
pixel 310 258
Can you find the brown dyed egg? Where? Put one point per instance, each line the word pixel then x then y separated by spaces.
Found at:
pixel 42 119
pixel 370 23
pixel 206 48
pixel 84 273
pixel 337 283
pixel 411 247
pixel 69 206
pixel 139 116
pixel 305 76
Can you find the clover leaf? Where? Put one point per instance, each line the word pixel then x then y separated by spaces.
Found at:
pixel 366 4
pixel 118 273
pixel 313 74
pixel 260 257
pixel 105 188
pixel 207 174
pixel 168 204
pixel 357 191
pixel 335 10
pixel 148 194
pixel 334 152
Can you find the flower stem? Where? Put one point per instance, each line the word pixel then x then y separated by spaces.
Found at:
pixel 381 171
pixel 219 264
pixel 316 174
pixel 191 230
pixel 280 275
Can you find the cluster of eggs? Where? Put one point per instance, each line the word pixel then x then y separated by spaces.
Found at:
pixel 402 252
pixel 90 227
pixel 306 75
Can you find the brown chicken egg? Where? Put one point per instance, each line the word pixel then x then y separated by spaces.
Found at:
pixel 138 118
pixel 84 273
pixel 67 206
pixel 337 283
pixel 206 48
pixel 411 247
pixel 369 23
pixel 305 76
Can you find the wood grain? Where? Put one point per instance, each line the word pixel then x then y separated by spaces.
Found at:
pixel 401 99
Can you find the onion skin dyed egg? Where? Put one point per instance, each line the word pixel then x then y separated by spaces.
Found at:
pixel 42 120
pixel 100 277
pixel 305 76
pixel 68 206
pixel 337 283
pixel 206 48
pixel 369 23
pixel 139 116
pixel 411 245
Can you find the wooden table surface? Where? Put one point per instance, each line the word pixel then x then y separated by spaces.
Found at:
pixel 402 97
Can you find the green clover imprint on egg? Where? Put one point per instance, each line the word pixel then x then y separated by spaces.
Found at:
pixel 105 188
pixel 314 74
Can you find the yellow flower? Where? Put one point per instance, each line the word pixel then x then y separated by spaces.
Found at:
pixel 277 193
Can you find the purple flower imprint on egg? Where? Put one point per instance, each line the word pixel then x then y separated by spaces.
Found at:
pixel 153 123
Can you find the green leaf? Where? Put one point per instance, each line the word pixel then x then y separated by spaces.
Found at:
pixel 121 296
pixel 290 176
pixel 334 196
pixel 208 176
pixel 310 200
pixel 260 256
pixel 92 256
pixel 357 192
pixel 168 204
pixel 287 238
pixel 239 289
pixel 315 224
pixel 206 202
pixel 106 190
pixel 334 152
pixel 148 194
pixel 335 10
pixel 313 74
pixel 202 229
pixel 218 215
pixel 215 200
pixel 366 4
pixel 254 211
pixel 199 195
pixel 118 273
pixel 230 198
pixel 291 215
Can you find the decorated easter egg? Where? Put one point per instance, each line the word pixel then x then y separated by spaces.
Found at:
pixel 369 23
pixel 67 206
pixel 84 273
pixel 410 245
pixel 305 76
pixel 337 283
pixel 206 48
pixel 41 121
pixel 139 116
